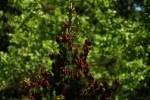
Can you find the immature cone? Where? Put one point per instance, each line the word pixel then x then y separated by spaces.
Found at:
pixel 51 56
pixel 32 98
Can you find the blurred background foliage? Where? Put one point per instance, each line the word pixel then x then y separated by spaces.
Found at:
pixel 118 30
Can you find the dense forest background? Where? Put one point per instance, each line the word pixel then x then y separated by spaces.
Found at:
pixel 118 29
